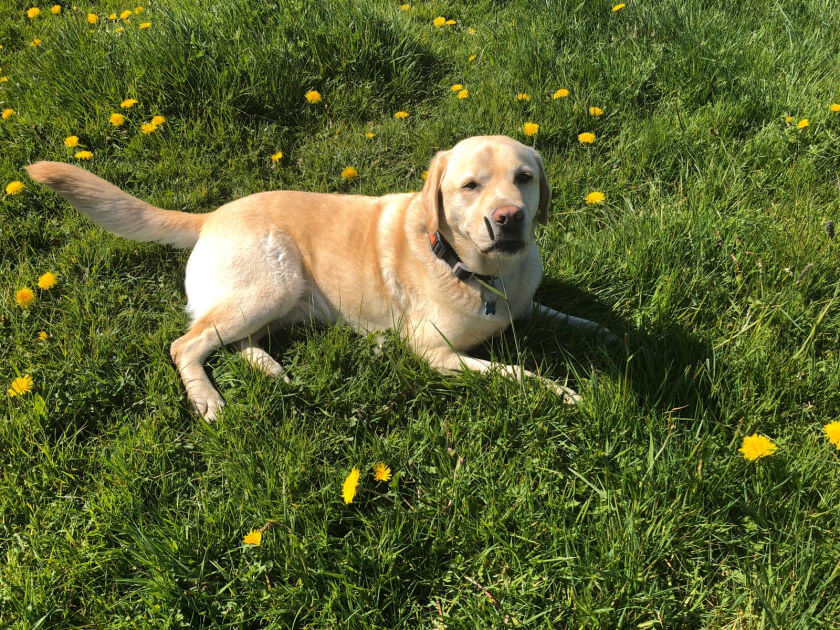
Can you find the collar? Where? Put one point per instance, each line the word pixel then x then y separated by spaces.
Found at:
pixel 443 250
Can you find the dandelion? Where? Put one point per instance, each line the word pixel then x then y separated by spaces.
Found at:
pixel 561 93
pixel 35 42
pixel 381 472
pixel 13 188
pixel 618 7
pixel 457 87
pixel 112 17
pixel 20 386
pixel 803 123
pixel 463 94
pixel 119 29
pixel 276 157
pixel 471 31
pixel 313 96
pixel 530 129
pixel 47 281
pixel 450 22
pixel 42 335
pixel 125 14
pixel 756 446
pixel 423 175
pixel 351 483
pixel 83 155
pixel 401 115
pixel 832 432
pixel 129 103
pixel 148 128
pixel 471 58
pixel 595 111
pixel 595 198
pixel 586 138
pixel 138 10
pixel 25 297
pixel 254 537
pixel 145 25
pixel 92 18
pixel 835 107
pixel 3 79
pixel 55 9
pixel 158 120
pixel 788 119
pixel 369 135
pixel 7 113
pixel 117 119
pixel 71 141
pixel 439 21
pixel 522 96
pixel 349 172
pixel 405 7
pixel 33 13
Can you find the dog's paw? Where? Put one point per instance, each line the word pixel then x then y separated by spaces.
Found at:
pixel 206 402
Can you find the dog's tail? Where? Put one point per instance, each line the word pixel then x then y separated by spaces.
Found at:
pixel 115 210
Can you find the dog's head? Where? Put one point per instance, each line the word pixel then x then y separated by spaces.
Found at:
pixel 486 195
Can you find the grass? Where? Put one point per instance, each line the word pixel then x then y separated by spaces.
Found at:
pixel 709 258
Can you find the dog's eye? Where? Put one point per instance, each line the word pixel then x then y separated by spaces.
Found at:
pixel 471 185
pixel 521 178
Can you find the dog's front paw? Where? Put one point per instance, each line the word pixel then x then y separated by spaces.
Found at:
pixel 566 394
pixel 206 402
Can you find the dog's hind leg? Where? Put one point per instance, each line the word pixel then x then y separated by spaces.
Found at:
pixel 260 359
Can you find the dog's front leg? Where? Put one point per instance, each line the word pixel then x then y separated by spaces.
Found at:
pixel 574 322
pixel 447 361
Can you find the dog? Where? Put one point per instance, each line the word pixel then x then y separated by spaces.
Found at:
pixel 448 267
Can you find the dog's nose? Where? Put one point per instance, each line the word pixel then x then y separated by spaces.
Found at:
pixel 508 216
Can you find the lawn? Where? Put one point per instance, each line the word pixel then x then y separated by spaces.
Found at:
pixel 711 256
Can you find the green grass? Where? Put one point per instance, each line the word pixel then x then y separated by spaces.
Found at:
pixel 119 509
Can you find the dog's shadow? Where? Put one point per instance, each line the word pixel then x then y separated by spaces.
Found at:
pixel 661 365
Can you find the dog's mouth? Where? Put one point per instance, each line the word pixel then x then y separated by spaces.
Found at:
pixel 506 247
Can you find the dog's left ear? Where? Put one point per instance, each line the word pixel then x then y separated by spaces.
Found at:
pixel 431 196
pixel 545 193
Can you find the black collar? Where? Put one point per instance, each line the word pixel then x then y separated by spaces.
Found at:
pixel 443 250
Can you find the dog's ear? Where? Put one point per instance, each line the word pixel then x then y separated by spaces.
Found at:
pixel 431 196
pixel 545 192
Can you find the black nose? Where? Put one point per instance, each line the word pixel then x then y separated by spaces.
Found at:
pixel 508 216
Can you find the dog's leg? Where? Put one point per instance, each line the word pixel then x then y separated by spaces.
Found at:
pixel 574 322
pixel 449 362
pixel 260 359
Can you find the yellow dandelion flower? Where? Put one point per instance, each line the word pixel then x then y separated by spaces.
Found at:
pixel 595 198
pixel 349 172
pixel 20 386
pixel 138 10
pixel 595 111
pixel 117 119
pixel 128 103
pixel 55 9
pixel 561 93
pixel 35 42
pixel 530 129
pixel 7 113
pixel 405 7
pixel 276 157
pixel 471 58
pixel 254 537
pixel 463 94
pixel 125 14
pixel 450 22
pixel 832 432
pixel 522 96
pixel 586 138
pixel 145 25
pixel 835 107
pixel 71 141
pixel 3 79
pixel 803 123
pixel 25 297
pixel 756 446
pixel 471 31
pixel 381 472
pixel 401 115
pixel 119 29
pixel 788 119
pixel 13 188
pixel 369 135
pixel 42 335
pixel 47 281
pixel 92 18
pixel 148 128
pixel 158 120
pixel 351 483
pixel 113 16
pixel 439 21
pixel 83 155
pixel 313 96
pixel 457 87
pixel 424 174
pixel 33 13
pixel 618 7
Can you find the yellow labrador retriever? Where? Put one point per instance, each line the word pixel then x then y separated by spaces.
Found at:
pixel 448 266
